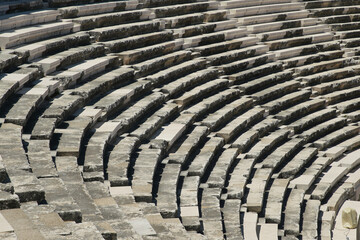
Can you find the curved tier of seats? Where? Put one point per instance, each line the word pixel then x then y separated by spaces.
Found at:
pixel 180 119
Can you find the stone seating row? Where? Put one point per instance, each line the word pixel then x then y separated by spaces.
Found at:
pixel 11 83
pixel 255 199
pixel 26 185
pixel 265 9
pixel 34 33
pixel 249 137
pixel 214 42
pixel 297 52
pixel 20 6
pixel 15 20
pixel 167 192
pixel 243 64
pixel 313 58
pixel 94 206
pixel 31 98
pixel 266 18
pixel 96 8
pixel 211 213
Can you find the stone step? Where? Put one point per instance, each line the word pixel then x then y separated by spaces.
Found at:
pixel 313 58
pixel 104 83
pixel 188 146
pixel 322 129
pixel 300 110
pixel 344 26
pixel 264 82
pixel 181 9
pixel 187 82
pixel 52 46
pixel 235 66
pixel 250 225
pixel 57 196
pixel 322 66
pixel 348 34
pixel 329 11
pixel 248 3
pixel 167 196
pixel 338 18
pixel 234 127
pixel 97 8
pixel 330 75
pixel 152 124
pixel 29 99
pixel 213 38
pixel 293 212
pixel 112 19
pixel 336 85
pixel 178 71
pixel 18 20
pixel 201 162
pixel 156 64
pixel 312 120
pixel 126 30
pixel 275 199
pixel 230 212
pixel 69 57
pixel 255 72
pixel 266 9
pixel 239 178
pixel 329 179
pixel 348 106
pixel 255 198
pixel 248 138
pixel 342 95
pixel 297 162
pixel 139 108
pixel 298 41
pixel 194 18
pixel 211 213
pixel 146 53
pixel 267 143
pixel 337 136
pixel 120 98
pixel 189 206
pixel 286 101
pixel 268 231
pixel 280 25
pixel 119 159
pixel 204 28
pixel 170 133
pixel 217 177
pixel 210 104
pixel 71 138
pixel 15 6
pixel 199 92
pixel 138 41
pixel 216 48
pixel 267 18
pixel 306 50
pixel 242 53
pixel 282 153
pixel 330 3
pixel 292 32
pixel 16 221
pixel 34 33
pixel 224 114
pixel 276 91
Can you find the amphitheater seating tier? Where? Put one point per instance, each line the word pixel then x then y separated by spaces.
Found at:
pixel 158 119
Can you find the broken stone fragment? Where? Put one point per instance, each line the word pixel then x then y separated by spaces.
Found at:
pixel 349 218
